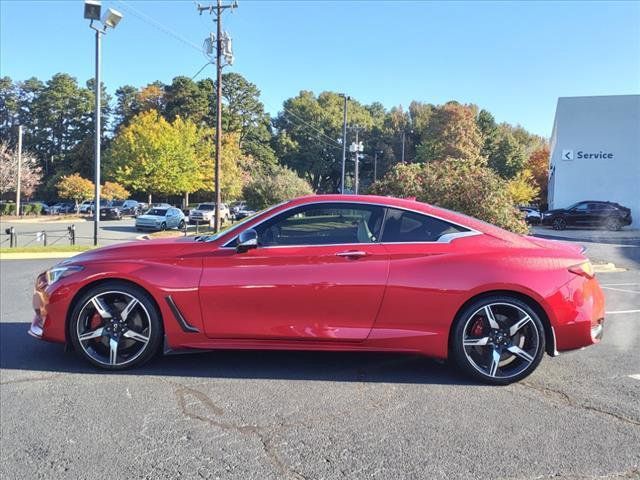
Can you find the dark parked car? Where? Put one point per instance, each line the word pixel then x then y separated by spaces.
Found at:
pixel 109 212
pixel 128 207
pixel 588 213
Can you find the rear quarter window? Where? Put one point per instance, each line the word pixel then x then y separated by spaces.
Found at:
pixel 404 226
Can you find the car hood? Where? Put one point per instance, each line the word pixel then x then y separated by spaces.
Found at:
pixel 135 251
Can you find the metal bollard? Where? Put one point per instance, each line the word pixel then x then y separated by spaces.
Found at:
pixel 72 234
pixel 11 231
pixel 44 238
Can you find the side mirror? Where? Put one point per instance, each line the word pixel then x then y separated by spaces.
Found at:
pixel 247 240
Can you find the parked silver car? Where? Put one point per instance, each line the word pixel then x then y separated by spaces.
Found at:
pixel 161 219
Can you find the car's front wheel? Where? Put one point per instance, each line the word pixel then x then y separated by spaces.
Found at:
pixel 181 225
pixel 498 339
pixel 115 325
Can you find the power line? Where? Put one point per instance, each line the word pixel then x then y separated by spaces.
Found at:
pixel 312 127
pixel 308 127
pixel 155 23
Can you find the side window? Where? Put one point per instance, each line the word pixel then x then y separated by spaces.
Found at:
pixel 323 224
pixel 581 207
pixel 405 226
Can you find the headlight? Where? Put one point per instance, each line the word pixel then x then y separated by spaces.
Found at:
pixel 56 273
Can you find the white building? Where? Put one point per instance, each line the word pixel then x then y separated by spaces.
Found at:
pixel 595 152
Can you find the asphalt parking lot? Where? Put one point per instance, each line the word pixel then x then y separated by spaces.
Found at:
pixel 307 415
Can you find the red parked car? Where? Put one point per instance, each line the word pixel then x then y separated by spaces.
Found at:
pixel 332 272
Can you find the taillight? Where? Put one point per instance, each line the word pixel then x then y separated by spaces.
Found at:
pixel 584 269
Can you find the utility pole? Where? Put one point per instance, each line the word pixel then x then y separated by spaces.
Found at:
pixel 344 141
pixel 375 165
pixel 217 11
pixel 403 135
pixel 19 170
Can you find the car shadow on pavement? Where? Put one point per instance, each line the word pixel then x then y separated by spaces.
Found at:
pixel 18 351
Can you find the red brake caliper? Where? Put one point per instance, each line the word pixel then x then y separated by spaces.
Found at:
pixel 478 328
pixel 96 321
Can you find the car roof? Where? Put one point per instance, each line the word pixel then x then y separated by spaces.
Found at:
pixel 409 204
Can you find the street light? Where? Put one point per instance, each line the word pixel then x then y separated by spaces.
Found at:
pixel 111 18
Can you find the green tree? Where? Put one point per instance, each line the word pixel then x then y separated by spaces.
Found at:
pixel 184 98
pixel 509 157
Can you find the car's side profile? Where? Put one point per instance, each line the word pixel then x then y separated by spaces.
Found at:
pixel 357 273
pixel 609 215
pixel 161 219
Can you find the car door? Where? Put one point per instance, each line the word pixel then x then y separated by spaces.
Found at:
pixel 318 273
pixel 425 254
pixel 579 215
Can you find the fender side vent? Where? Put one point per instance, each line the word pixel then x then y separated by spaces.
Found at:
pixel 184 325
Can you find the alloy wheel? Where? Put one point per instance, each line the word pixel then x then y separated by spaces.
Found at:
pixel 113 328
pixel 559 224
pixel 500 340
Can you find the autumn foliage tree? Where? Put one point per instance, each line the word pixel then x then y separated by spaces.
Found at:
pixel 452 132
pixel 457 185
pixel 113 191
pixel 158 157
pixel 538 164
pixel 74 187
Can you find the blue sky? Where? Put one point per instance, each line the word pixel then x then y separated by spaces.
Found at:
pixel 513 58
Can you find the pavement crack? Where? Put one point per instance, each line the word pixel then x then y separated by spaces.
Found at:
pixel 563 397
pixel 263 434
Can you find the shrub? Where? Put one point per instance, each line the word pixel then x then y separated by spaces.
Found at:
pixel 26 208
pixel 457 185
pixel 36 208
pixel 274 185
pixel 8 209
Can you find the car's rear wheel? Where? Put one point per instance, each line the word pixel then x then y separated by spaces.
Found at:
pixel 613 224
pixel 115 325
pixel 181 225
pixel 498 339
pixel 559 224
pixel 163 226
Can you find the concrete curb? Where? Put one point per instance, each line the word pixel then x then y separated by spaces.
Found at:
pixel 607 268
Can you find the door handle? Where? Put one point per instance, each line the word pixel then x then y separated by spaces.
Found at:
pixel 352 254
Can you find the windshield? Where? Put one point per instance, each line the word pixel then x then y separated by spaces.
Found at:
pixel 232 228
pixel 159 212
pixel 205 206
pixel 117 203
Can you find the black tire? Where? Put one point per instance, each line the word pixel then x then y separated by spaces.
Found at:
pixel 613 224
pixel 531 340
pixel 559 223
pixel 163 226
pixel 181 225
pixel 147 306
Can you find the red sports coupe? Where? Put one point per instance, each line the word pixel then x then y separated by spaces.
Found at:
pixel 334 273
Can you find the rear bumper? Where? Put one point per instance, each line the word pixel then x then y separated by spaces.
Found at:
pixel 580 314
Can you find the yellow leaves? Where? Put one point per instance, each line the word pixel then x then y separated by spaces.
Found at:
pixel 74 187
pixel 113 191
pixel 155 156
pixel 522 188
